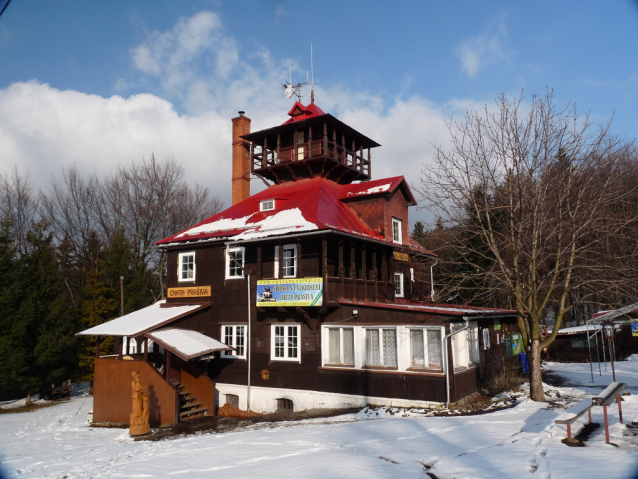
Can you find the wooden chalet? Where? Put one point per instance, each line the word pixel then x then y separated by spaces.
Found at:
pixel 308 294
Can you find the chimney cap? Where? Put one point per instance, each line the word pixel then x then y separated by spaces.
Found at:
pixel 241 113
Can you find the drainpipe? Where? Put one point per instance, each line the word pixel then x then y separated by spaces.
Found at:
pixel 447 365
pixel 248 350
pixel 432 280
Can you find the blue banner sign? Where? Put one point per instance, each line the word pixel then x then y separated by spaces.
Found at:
pixel 290 292
pixel 634 328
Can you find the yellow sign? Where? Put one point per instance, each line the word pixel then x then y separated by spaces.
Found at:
pixel 190 292
pixel 401 256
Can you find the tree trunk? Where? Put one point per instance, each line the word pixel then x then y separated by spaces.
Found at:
pixel 535 378
pixel 29 403
pixel 91 387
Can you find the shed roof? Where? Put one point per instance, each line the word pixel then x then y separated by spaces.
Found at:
pixel 579 329
pixel 142 321
pixel 187 344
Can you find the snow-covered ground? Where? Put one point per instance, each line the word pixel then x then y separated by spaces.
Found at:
pixel 513 443
pixel 580 374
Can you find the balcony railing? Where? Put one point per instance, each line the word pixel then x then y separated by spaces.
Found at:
pixel 318 149
pixel 359 289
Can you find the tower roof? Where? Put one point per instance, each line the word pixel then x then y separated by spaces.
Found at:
pixel 298 112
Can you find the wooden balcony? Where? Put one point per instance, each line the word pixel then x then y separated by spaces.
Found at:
pixel 348 288
pixel 322 146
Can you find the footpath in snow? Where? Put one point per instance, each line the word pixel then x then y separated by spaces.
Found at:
pixel 519 442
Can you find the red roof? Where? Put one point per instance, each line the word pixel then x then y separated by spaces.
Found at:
pixel 303 205
pixel 434 308
pixel 311 204
pixel 298 112
pixel 416 246
pixel 378 187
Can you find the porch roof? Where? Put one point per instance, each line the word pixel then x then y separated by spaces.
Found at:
pixel 187 344
pixel 142 321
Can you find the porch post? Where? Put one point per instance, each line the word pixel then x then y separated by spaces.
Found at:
pixel 364 271
pixel 167 363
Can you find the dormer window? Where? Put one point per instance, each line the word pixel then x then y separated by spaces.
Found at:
pixel 267 205
pixel 396 231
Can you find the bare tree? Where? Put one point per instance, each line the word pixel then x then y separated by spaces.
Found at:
pixel 145 202
pixel 150 201
pixel 70 206
pixel 539 190
pixel 19 205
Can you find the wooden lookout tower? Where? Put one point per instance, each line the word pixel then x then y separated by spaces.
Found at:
pixel 310 144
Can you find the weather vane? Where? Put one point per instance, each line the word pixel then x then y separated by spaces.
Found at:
pixel 290 89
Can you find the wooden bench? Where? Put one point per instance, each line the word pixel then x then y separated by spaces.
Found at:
pixel 604 399
pixel 607 398
pixel 573 413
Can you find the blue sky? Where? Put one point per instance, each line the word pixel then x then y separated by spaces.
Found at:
pixel 94 84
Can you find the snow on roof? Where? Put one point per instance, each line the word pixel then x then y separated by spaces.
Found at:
pixel 141 321
pixel 372 190
pixel 282 222
pixel 375 187
pixel 434 308
pixel 578 329
pixel 305 205
pixel 187 344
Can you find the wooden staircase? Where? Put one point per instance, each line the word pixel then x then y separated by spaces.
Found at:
pixel 188 404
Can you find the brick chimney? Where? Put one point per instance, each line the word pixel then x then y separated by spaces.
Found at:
pixel 241 159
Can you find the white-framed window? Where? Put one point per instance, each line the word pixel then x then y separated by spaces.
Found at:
pixel 397 236
pixel 393 347
pixel 186 266
pixel 234 335
pixel 473 342
pixel 276 263
pixel 341 346
pixel 267 205
pixel 398 284
pixel 460 347
pixel 235 257
pixel 381 347
pixel 290 261
pixel 425 349
pixel 284 342
pixel 466 346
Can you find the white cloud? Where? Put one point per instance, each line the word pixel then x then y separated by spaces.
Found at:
pixel 490 47
pixel 174 55
pixel 280 13
pixel 43 129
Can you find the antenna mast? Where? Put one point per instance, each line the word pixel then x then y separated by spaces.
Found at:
pixel 312 77
pixel 295 90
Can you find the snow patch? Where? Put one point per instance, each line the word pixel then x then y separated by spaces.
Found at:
pixel 222 224
pixel 371 191
pixel 283 222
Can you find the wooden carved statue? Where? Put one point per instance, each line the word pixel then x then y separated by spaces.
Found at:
pixel 139 415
